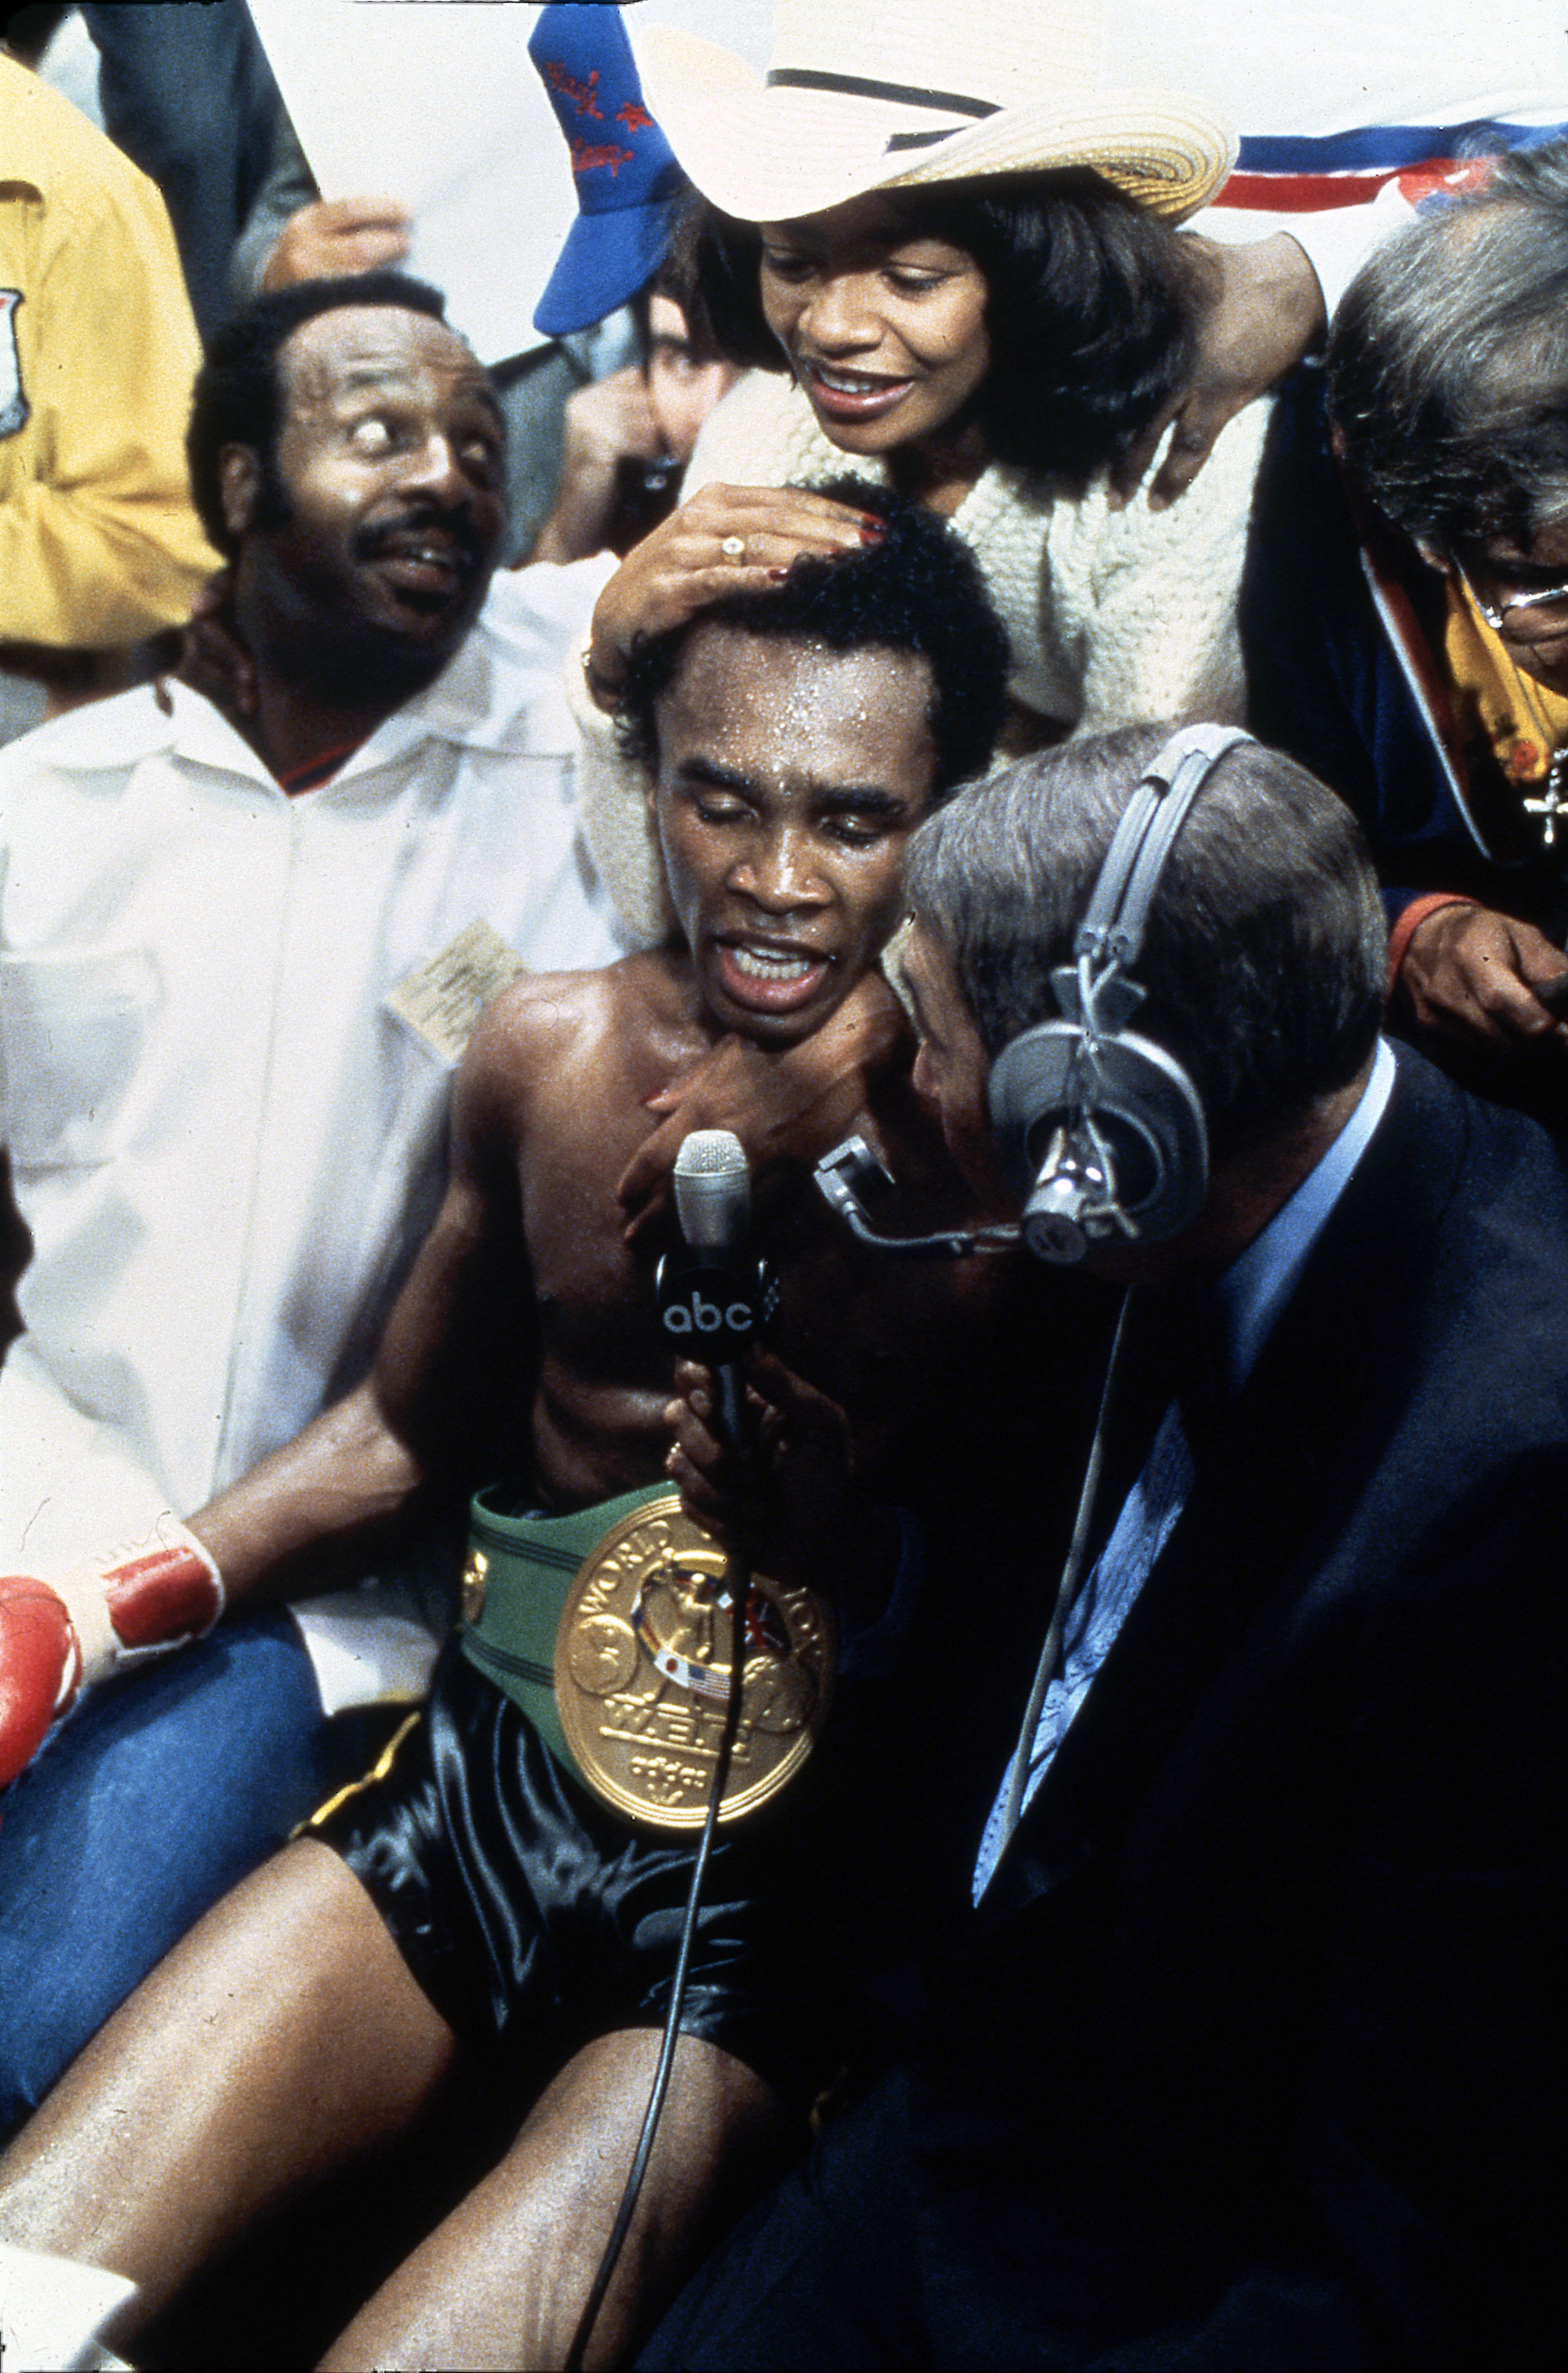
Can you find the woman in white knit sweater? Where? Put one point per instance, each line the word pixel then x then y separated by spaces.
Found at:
pixel 988 316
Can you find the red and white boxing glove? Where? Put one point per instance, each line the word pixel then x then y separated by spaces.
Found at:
pixel 103 1617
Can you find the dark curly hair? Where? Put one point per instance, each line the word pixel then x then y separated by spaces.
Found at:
pixel 916 589
pixel 1092 309
pixel 238 398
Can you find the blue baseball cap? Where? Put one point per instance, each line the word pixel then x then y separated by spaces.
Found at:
pixel 622 164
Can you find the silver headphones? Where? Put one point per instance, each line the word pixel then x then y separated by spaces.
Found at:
pixel 1100 1129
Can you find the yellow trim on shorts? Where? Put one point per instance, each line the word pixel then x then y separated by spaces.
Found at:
pixel 380 1769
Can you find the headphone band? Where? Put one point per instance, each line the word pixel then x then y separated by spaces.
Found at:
pixel 1118 913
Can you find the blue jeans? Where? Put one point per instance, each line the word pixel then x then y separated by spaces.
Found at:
pixel 152 1800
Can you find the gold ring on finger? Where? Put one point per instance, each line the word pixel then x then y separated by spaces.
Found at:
pixel 733 547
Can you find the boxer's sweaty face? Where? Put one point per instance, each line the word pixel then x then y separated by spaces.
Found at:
pixel 790 777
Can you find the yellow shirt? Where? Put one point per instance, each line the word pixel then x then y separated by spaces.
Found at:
pixel 99 542
pixel 1507 712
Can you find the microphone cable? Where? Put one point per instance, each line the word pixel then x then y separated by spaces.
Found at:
pixel 738 1577
pixel 712 1196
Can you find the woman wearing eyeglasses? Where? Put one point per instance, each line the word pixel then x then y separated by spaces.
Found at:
pixel 1439 705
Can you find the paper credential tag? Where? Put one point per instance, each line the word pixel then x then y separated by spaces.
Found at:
pixel 441 1000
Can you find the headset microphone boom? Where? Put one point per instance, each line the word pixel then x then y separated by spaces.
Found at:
pixel 1101 1129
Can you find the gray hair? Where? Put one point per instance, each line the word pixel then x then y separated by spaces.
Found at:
pixel 1267 946
pixel 1448 363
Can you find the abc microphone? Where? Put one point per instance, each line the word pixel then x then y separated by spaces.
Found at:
pixel 714 1295
pixel 713 1191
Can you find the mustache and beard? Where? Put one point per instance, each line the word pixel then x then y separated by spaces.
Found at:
pixel 341 646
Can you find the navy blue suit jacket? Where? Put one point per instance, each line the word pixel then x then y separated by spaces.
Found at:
pixel 1257 2055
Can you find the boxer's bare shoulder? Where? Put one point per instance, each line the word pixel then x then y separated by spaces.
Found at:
pixel 581 1051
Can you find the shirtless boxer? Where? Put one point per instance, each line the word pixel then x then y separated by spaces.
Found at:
pixel 480 1902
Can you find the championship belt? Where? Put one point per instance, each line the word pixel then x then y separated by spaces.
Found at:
pixel 641 1620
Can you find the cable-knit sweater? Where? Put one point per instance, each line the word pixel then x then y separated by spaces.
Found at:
pixel 1116 617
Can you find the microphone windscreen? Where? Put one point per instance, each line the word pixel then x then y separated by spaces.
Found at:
pixel 712 1190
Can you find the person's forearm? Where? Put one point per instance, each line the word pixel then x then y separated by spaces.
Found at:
pixel 287 1525
pixel 312 1503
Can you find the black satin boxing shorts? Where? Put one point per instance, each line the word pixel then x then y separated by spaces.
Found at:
pixel 534 1920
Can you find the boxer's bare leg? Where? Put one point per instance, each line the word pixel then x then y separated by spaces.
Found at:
pixel 503 2280
pixel 279 2039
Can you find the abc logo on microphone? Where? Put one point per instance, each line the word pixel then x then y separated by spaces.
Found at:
pixel 710 1312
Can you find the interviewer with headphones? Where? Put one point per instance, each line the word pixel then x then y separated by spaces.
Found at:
pixel 1253 2051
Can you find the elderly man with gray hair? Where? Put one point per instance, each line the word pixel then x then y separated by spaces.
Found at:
pixel 1411 642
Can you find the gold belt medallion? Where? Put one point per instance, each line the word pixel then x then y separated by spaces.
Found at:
pixel 473 1585
pixel 642 1673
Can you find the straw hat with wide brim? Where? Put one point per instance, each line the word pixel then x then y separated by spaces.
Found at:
pixel 899 94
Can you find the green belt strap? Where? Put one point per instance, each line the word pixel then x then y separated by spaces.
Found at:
pixel 530 1564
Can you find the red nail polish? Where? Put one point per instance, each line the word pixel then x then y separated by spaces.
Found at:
pixel 778 575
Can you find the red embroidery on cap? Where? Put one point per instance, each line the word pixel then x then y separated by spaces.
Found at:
pixel 586 159
pixel 634 117
pixel 579 93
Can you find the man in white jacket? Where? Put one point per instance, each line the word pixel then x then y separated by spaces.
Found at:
pixel 236 967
